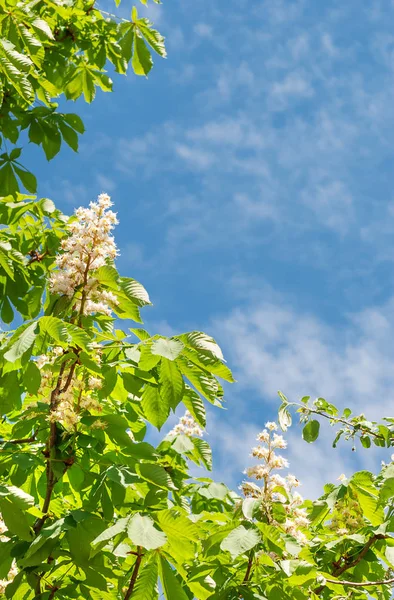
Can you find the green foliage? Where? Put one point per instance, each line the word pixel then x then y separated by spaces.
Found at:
pixel 52 49
pixel 90 509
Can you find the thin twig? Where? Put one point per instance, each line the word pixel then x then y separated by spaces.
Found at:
pixel 29 440
pixel 134 575
pixel 354 426
pixel 362 583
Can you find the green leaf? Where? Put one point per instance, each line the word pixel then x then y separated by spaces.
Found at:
pixel 69 136
pixel 23 343
pixel 108 276
pixel 142 532
pixel 195 406
pixel 166 348
pixel 64 332
pixel 171 383
pixel 204 383
pixel 7 314
pixel 153 37
pixel 155 474
pixel 172 588
pixel 135 291
pixel 76 477
pixel 75 122
pixel 119 527
pixel 43 26
pixel 202 342
pixel 310 433
pixel 175 524
pixel 203 451
pixel 32 378
pixel 146 584
pixel 240 540
pixel 8 181
pixel 142 60
pixel 20 498
pixel 156 409
pixel 88 87
pixel 15 520
pixel 28 179
pixel 251 507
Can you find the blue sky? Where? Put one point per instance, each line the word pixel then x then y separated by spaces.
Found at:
pixel 253 177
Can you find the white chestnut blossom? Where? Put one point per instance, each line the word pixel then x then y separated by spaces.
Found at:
pixel 89 247
pixel 188 426
pixel 275 488
pixel 271 425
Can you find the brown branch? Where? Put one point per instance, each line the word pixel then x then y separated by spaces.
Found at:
pixel 350 564
pixel 69 378
pixel 360 556
pixel 134 575
pixel 249 568
pixel 362 583
pixel 53 592
pixel 29 440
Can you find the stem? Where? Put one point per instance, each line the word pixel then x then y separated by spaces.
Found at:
pixel 29 440
pixel 349 565
pixel 353 426
pixel 249 568
pixel 134 575
pixel 362 583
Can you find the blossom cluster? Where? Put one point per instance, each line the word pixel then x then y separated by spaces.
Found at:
pixel 88 248
pixel 275 488
pixel 188 426
pixel 347 517
pixel 78 396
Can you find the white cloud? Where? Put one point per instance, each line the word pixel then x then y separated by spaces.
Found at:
pixel 328 45
pixel 197 159
pixel 203 30
pixel 107 184
pixel 274 347
pixel 332 204
pixel 294 84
